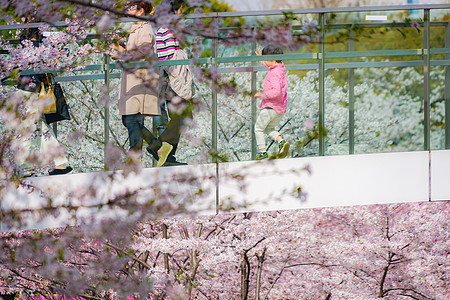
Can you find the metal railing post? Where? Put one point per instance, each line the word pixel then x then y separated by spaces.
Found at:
pixel 214 103
pixel 214 147
pixel 253 106
pixel 351 97
pixel 447 89
pixel 106 124
pixel 322 84
pixel 426 83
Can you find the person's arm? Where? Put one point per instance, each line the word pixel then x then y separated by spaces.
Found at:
pixel 259 53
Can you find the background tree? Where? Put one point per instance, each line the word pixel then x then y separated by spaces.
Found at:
pixel 369 252
pixel 123 256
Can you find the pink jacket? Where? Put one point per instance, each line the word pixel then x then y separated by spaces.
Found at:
pixel 274 93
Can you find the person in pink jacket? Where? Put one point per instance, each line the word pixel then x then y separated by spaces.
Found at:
pixel 273 104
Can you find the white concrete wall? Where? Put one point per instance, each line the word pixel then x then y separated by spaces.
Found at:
pixel 339 181
pixel 440 175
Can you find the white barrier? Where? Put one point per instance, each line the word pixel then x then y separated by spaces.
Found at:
pixel 339 181
pixel 440 175
pixel 265 185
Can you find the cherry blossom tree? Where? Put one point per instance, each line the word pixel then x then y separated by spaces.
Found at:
pixel 131 253
pixel 370 252
pixel 381 251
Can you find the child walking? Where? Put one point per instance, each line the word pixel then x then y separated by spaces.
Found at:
pixel 273 104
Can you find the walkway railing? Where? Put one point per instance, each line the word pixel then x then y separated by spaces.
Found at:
pixel 324 58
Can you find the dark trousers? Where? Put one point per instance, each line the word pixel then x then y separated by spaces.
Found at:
pixel 137 132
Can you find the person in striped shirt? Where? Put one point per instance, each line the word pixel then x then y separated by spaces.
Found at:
pixel 166 45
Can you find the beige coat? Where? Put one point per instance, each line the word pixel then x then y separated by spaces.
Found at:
pixel 136 96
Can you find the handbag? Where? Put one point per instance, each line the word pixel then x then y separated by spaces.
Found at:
pixel 48 93
pixel 62 108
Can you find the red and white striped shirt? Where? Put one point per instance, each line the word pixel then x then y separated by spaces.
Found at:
pixel 166 43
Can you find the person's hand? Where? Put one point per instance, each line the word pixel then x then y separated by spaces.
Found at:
pixel 116 47
pixel 257 95
pixel 258 52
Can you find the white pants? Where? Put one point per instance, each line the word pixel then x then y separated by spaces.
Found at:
pixel 265 124
pixel 43 141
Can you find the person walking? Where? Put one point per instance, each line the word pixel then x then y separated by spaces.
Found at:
pixel 138 88
pixel 31 86
pixel 273 104
pixel 168 47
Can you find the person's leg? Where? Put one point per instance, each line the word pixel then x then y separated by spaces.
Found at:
pixel 175 126
pixel 160 122
pixel 147 135
pixel 43 140
pixel 260 128
pixel 28 144
pixel 283 145
pixel 275 119
pixel 134 127
pixel 137 132
pixel 48 139
pixel 178 111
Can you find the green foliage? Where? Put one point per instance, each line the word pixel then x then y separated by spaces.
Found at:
pixel 391 37
pixel 218 6
pixel 213 6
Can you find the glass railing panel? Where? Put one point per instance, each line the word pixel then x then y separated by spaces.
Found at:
pixel 373 90
pixel 235 109
pixel 235 127
pixel 389 109
pixel 440 79
pixel 338 39
pixel 300 123
pixel 301 120
pixel 398 31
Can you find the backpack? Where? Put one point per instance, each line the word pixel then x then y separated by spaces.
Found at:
pixel 180 76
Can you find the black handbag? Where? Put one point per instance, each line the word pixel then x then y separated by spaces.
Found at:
pixel 62 109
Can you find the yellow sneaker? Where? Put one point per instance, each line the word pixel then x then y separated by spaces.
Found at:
pixel 283 147
pixel 165 150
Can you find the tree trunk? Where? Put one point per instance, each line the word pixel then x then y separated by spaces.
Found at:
pixel 245 275
pixel 166 255
pixel 259 273
pixel 193 265
pixel 383 277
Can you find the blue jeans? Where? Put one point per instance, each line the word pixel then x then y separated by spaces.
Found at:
pixel 160 122
pixel 137 132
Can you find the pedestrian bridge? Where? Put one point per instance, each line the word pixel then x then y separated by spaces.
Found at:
pixel 354 161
